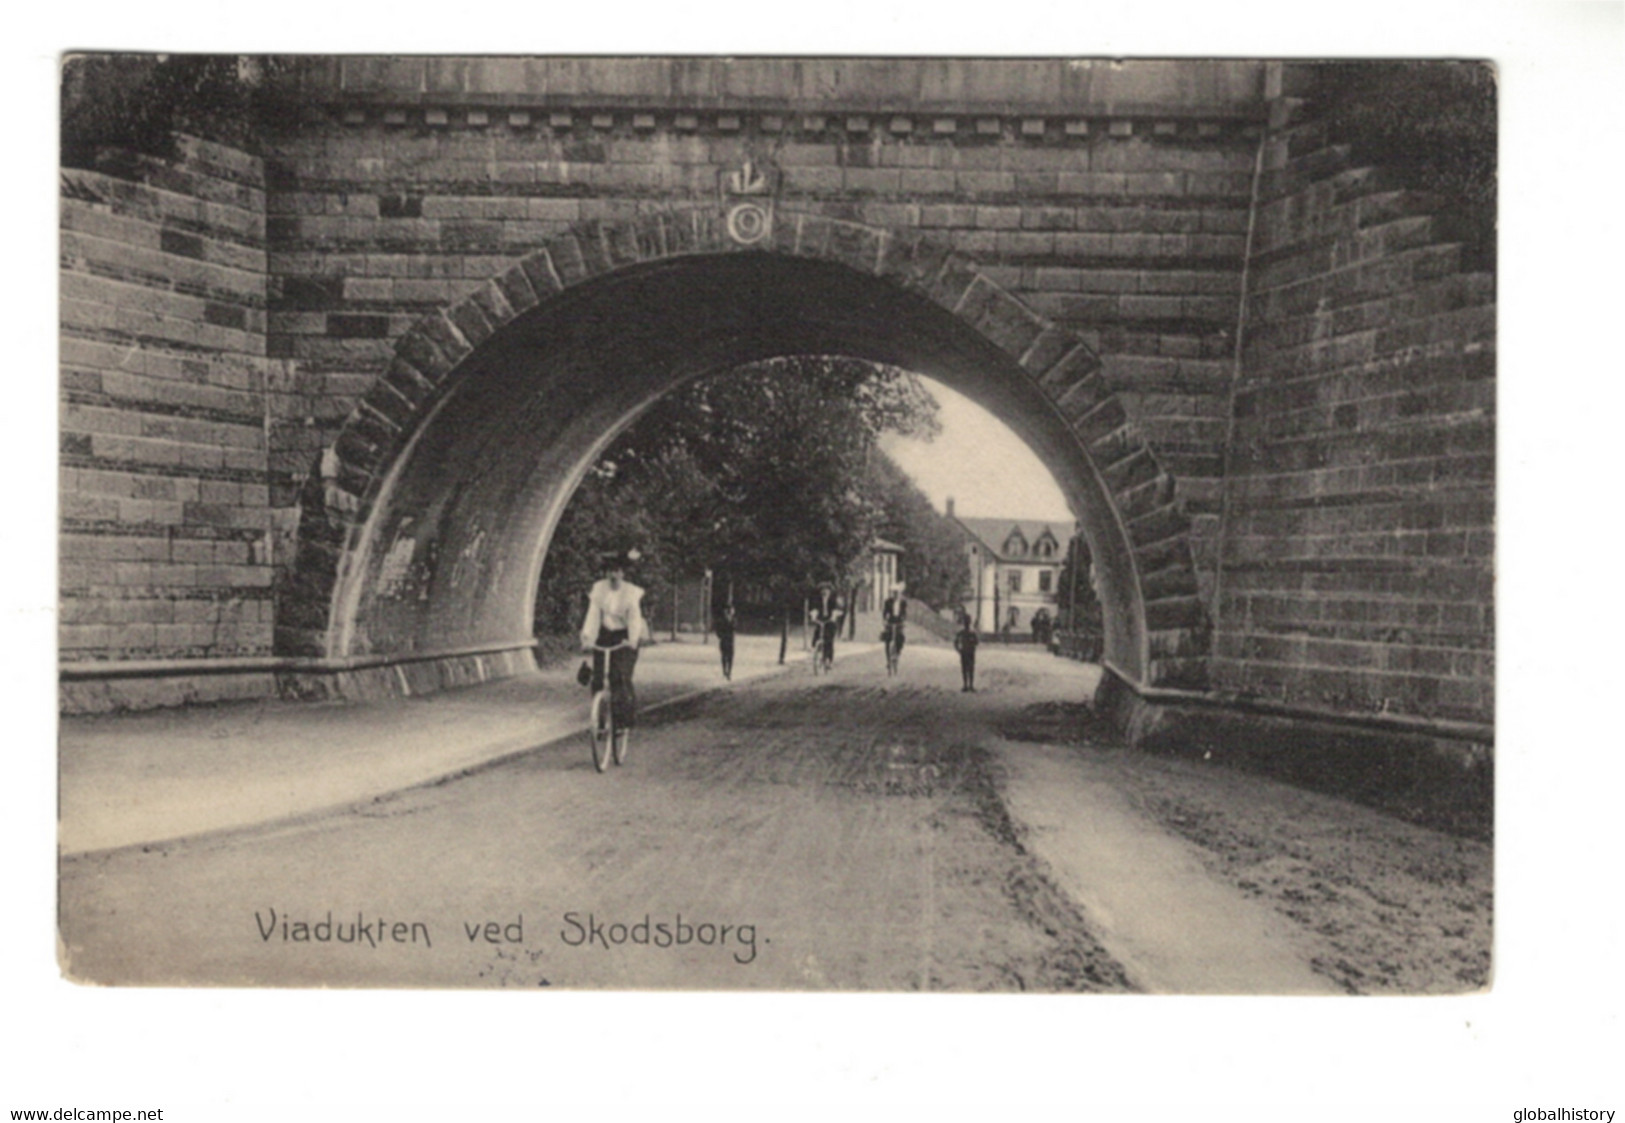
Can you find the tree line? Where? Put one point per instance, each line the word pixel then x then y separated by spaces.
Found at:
pixel 771 477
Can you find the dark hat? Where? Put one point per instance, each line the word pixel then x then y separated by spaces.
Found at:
pixel 619 559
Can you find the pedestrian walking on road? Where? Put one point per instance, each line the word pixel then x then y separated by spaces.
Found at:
pixel 723 625
pixel 965 641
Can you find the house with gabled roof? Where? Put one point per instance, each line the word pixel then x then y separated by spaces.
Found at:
pixel 1015 568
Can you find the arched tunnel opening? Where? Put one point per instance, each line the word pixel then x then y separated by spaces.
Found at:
pixel 450 553
pixel 748 488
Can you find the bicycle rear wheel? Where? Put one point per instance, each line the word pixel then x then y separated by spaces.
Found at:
pixel 601 730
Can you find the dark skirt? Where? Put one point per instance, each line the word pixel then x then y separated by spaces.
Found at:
pixel 623 698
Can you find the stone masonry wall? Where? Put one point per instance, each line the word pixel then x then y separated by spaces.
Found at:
pixel 1359 543
pixel 223 315
pixel 165 543
pixel 1130 231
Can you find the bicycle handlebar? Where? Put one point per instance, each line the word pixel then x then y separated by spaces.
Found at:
pixel 611 647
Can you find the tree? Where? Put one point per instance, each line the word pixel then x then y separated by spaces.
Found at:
pixel 1078 609
pixel 119 108
pixel 933 553
pixel 760 474
pixel 1432 122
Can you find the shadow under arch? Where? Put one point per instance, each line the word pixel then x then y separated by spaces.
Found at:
pixel 423 540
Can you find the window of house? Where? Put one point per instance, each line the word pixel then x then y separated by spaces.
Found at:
pixel 1015 580
pixel 1044 578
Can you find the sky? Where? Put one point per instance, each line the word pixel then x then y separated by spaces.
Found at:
pixel 988 470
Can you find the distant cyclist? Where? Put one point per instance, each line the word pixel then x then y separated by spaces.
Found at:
pixel 615 624
pixel 827 614
pixel 892 614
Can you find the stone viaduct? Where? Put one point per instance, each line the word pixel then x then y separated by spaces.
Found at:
pixel 323 401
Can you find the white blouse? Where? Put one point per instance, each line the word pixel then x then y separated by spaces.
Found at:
pixel 614 609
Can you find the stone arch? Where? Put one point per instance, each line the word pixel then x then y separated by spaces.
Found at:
pixel 364 582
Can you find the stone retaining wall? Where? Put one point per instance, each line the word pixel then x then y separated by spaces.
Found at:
pixel 1358 569
pixel 167 531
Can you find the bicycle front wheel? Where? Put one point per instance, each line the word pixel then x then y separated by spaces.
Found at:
pixel 621 738
pixel 601 730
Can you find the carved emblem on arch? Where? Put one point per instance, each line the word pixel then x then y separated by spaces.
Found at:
pixel 747 194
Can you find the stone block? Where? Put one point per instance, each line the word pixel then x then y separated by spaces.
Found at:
pixel 999 218
pixel 950 215
pixel 620 243
pixel 1107 432
pixel 1000 318
pixel 982 245
pixel 1026 243
pixel 1154 184
pixel 854 244
pixel 1115 281
pixel 1076 363
pixel 1175 614
pixel 814 180
pixel 493 303
pixel 1047 349
pixel 911 259
pixel 563 258
pixel 890 214
pixel 1162 524
pixel 1083 247
pixel 950 286
pixel 984 183
pixel 871 180
pixel 445 337
pixel 517 289
pixel 1049 218
pixel 471 320
pixel 355 326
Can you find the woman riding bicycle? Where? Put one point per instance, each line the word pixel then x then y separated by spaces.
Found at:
pixel 614 625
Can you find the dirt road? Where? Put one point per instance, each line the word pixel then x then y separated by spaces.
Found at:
pixel 848 832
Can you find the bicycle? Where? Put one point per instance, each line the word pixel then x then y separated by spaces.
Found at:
pixel 606 741
pixel 818 664
pixel 894 649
